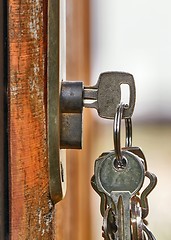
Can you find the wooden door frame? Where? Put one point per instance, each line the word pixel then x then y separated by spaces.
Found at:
pixel 32 214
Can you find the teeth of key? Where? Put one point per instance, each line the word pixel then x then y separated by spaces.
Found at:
pixel 120 185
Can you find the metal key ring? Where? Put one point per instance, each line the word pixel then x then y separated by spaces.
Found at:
pixel 128 127
pixel 117 133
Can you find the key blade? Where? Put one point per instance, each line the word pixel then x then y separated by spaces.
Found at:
pixel 90 93
pixel 120 212
pixel 122 203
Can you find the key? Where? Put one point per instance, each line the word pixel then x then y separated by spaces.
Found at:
pixel 109 221
pixel 138 228
pixel 146 192
pixel 153 180
pixel 136 219
pixel 109 224
pixel 120 185
pixel 148 233
pixel 106 94
pixel 108 178
pixel 122 203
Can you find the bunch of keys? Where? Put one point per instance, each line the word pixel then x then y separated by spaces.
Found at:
pixel 118 179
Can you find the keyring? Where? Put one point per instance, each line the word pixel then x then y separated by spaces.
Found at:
pixel 117 134
pixel 128 129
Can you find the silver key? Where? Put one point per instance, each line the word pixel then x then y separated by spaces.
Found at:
pixel 144 201
pixel 153 180
pixel 136 219
pixel 106 104
pixel 109 178
pixel 122 203
pixel 148 233
pixel 120 185
pixel 109 224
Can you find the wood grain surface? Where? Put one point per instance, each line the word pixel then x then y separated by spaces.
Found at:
pixel 30 206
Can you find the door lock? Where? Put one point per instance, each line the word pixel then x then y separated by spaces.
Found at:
pixel 104 97
pixel 65 100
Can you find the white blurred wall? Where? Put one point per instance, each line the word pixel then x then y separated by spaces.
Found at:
pixel 135 36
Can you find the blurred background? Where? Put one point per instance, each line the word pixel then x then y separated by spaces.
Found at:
pixel 135 37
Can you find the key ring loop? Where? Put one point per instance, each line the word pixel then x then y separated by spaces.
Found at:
pixel 117 134
pixel 128 129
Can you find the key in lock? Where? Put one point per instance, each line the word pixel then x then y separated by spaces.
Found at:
pixel 104 97
pixel 107 94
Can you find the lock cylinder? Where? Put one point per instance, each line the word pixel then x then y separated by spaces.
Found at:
pixel 71 97
pixel 71 107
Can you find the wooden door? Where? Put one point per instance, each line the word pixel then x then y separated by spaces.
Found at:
pixel 32 214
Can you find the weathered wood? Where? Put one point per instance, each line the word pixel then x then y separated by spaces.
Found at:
pixel 30 206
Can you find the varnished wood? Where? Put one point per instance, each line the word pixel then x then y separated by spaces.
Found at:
pixel 30 206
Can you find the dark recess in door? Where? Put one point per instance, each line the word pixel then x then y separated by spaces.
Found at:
pixel 4 192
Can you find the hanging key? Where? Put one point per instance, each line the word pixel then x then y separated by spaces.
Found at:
pixel 109 224
pixel 119 175
pixel 120 185
pixel 139 204
pixel 136 219
pixel 146 192
pixel 137 151
pixel 106 94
